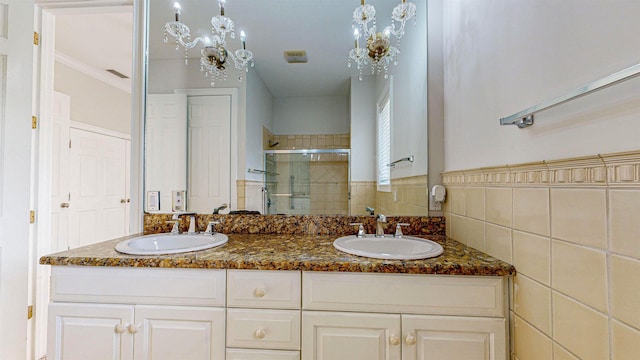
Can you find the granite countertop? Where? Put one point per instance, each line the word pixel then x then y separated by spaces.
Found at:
pixel 289 252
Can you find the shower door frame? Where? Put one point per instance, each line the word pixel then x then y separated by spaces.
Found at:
pixel 306 151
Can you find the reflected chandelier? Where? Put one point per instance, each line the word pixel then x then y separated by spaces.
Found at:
pixel 214 56
pixel 378 50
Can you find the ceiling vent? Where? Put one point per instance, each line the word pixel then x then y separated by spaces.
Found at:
pixel 117 73
pixel 295 56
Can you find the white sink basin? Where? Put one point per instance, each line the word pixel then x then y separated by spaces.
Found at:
pixel 157 244
pixel 388 247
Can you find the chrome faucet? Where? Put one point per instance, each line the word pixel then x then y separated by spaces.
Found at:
pixel 192 223
pixel 221 207
pixel 381 222
pixel 176 224
pixel 370 210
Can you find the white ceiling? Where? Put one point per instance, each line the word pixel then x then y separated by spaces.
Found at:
pixel 321 27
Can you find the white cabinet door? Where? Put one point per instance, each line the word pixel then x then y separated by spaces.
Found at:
pixel 177 333
pixel 448 337
pixel 89 331
pixel 353 336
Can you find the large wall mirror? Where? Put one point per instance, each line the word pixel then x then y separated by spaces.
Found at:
pixel 226 144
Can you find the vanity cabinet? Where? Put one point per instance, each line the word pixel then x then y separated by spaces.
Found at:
pixel 408 317
pixel 156 313
pixel 136 313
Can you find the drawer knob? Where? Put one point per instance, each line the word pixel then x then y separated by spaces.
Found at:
pixel 120 329
pixel 394 340
pixel 259 292
pixel 410 340
pixel 134 328
pixel 260 333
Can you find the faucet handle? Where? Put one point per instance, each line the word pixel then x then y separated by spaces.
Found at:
pixel 361 232
pixel 176 227
pixel 211 228
pixel 399 233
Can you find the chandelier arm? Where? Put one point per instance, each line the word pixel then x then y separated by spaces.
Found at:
pixel 191 44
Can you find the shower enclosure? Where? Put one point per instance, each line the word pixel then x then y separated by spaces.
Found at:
pixel 307 181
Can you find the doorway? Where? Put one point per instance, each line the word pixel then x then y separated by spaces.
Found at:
pixel 85 65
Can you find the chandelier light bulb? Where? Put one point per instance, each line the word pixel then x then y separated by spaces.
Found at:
pixel 356 36
pixel 243 39
pixel 177 8
pixel 221 3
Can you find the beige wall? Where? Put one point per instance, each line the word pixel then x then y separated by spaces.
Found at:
pixel 572 230
pixel 94 102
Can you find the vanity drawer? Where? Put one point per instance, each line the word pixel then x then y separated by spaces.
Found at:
pixel 133 285
pixel 263 289
pixel 251 354
pixel 404 293
pixel 263 329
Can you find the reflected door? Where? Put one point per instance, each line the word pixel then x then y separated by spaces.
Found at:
pixel 166 146
pixel 209 119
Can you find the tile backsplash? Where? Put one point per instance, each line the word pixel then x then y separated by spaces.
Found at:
pixel 572 229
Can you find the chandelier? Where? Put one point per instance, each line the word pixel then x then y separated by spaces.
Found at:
pixel 378 50
pixel 214 56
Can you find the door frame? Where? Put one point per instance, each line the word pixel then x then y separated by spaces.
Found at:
pixel 45 12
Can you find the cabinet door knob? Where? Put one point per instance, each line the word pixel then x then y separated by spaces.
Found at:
pixel 394 340
pixel 410 340
pixel 120 329
pixel 260 333
pixel 64 205
pixel 133 328
pixel 259 292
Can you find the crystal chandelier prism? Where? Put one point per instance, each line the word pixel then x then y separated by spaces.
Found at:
pixel 214 56
pixel 378 50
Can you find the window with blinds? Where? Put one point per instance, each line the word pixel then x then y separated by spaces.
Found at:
pixel 384 141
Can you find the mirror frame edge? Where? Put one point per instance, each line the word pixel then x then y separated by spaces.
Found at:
pixel 138 100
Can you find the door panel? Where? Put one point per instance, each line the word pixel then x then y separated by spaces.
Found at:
pixel 353 336
pixel 98 207
pixel 89 331
pixel 209 120
pixel 165 155
pixel 176 333
pixel 16 147
pixel 442 337
pixel 60 172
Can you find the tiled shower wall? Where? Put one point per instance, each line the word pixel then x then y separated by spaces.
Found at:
pixel 572 230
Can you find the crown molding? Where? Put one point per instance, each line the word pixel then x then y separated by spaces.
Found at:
pixel 101 75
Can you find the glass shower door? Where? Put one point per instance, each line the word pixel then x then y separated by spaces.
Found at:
pixel 307 182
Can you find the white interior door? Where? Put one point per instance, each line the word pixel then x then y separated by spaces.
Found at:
pixel 166 146
pixel 98 181
pixel 60 119
pixel 16 109
pixel 209 120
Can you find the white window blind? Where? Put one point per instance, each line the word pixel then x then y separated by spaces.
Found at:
pixel 384 143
